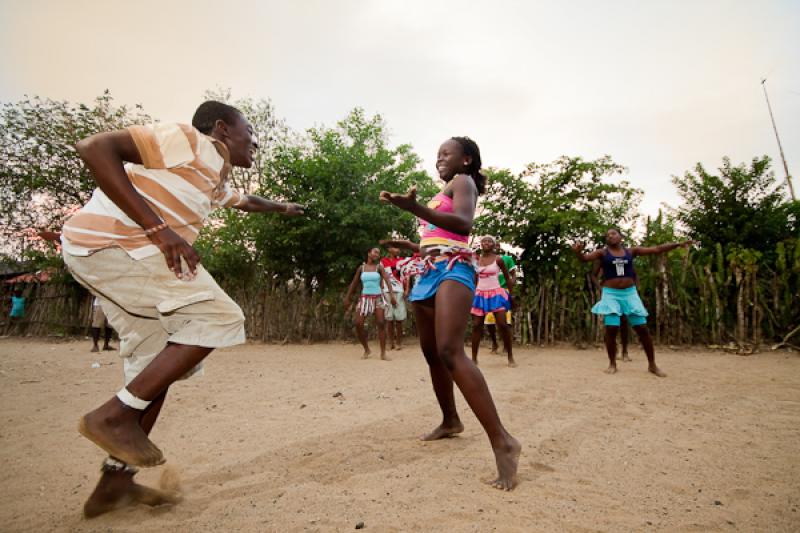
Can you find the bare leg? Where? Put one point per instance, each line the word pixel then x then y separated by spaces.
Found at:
pixel 477 334
pixel 623 332
pixel 108 333
pixel 398 324
pixel 391 333
pixel 453 301
pixel 647 344
pixel 440 376
pixel 505 333
pixel 95 339
pixel 117 489
pixel 611 348
pixel 380 322
pixel 493 335
pixel 114 426
pixel 361 334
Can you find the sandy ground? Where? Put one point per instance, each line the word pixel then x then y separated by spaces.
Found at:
pixel 263 444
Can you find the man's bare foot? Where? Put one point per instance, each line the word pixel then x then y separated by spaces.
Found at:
pixel 653 369
pixel 612 369
pixel 117 489
pixel 94 349
pixel 398 347
pixel 108 348
pixel 475 360
pixel 121 437
pixel 507 459
pixel 494 349
pixel 384 358
pixel 512 363
pixel 444 431
pixel 366 354
pixel 626 358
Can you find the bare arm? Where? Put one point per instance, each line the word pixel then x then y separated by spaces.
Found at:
pixel 660 249
pixel 356 280
pixel 594 275
pixel 504 269
pixel 104 155
pixel 584 257
pixel 387 284
pixel 465 196
pixel 401 243
pixel 257 204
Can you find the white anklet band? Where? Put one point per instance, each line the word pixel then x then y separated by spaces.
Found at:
pixel 132 401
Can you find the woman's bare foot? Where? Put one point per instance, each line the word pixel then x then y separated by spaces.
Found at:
pixel 612 369
pixel 626 358
pixel 512 363
pixel 384 358
pixel 120 434
pixel 117 489
pixel 494 349
pixel 507 459
pixel 653 369
pixel 444 431
pixel 94 349
pixel 108 348
pixel 366 355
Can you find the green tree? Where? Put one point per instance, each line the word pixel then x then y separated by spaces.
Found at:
pixel 550 205
pixel 742 207
pixel 337 174
pixel 42 179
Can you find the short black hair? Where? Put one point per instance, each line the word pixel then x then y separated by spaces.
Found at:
pixel 471 149
pixel 210 111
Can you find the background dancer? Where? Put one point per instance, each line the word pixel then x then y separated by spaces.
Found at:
pixel 442 298
pixel 99 321
pixel 620 296
pixel 372 276
pixel 131 244
pixel 489 322
pixel 395 313
pixel 491 299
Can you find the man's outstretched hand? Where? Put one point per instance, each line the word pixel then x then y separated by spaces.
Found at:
pixel 294 210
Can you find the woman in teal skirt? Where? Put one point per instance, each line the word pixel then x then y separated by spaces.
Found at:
pixel 620 297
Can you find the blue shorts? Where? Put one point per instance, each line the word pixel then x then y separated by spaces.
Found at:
pixel 617 302
pixel 429 282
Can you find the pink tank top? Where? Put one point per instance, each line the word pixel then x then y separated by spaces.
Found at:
pixel 488 277
pixel 432 235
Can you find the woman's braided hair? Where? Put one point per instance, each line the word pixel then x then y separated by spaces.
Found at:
pixel 471 149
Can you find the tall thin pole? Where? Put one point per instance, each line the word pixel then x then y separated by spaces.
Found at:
pixel 780 148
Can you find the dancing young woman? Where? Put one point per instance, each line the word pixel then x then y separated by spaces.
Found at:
pixel 491 299
pixel 490 324
pixel 442 298
pixel 371 275
pixel 620 296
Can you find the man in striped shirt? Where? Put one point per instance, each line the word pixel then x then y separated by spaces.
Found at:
pixel 131 246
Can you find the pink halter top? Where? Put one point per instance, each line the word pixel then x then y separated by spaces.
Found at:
pixel 432 235
pixel 488 277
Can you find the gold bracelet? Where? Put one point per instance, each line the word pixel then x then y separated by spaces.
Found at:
pixel 155 229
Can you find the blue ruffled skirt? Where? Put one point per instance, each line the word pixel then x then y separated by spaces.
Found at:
pixel 620 302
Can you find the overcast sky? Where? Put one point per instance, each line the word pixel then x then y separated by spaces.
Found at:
pixel 657 85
